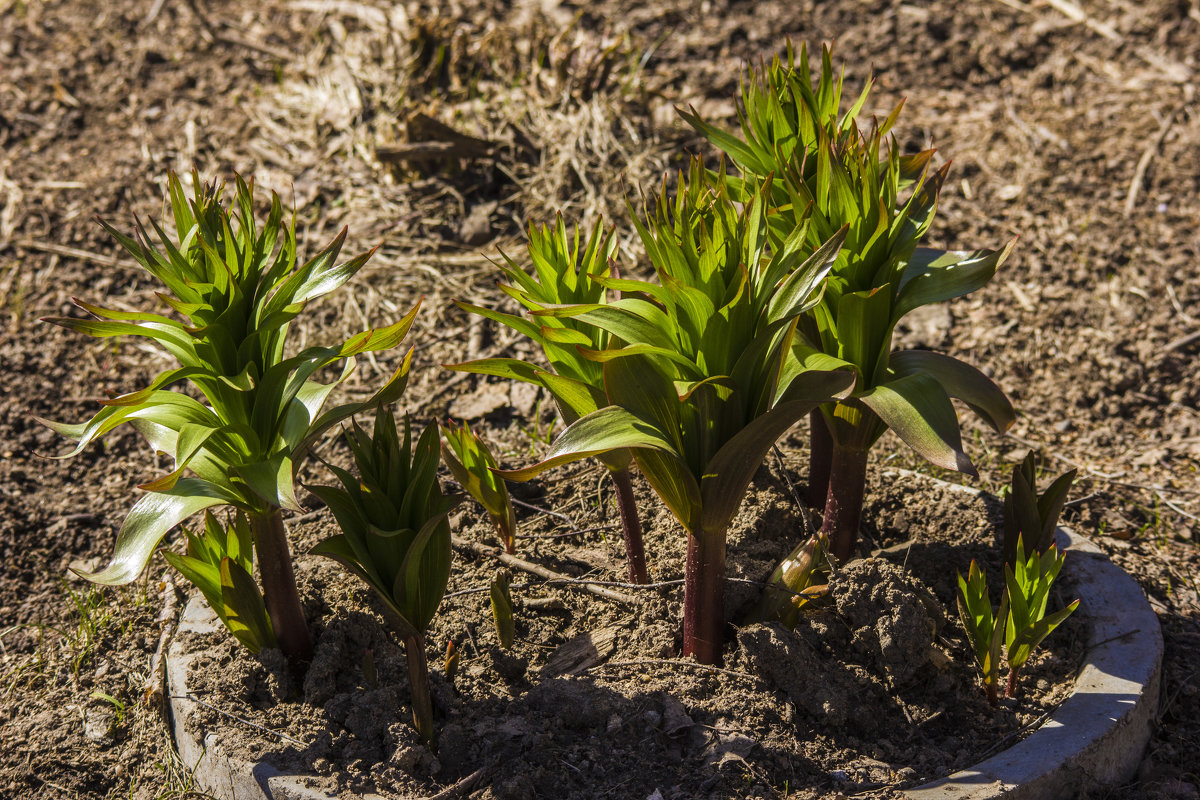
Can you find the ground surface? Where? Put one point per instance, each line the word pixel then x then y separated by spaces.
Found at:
pixel 1073 128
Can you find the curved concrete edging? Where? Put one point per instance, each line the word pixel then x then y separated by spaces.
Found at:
pixel 1096 737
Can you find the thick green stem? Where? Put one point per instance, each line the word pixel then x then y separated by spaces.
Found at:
pixel 704 598
pixel 820 454
pixel 844 500
pixel 418 682
pixel 631 527
pixel 279 588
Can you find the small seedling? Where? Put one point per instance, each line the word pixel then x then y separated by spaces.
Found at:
pixel 502 608
pixel 395 536
pixel 450 665
pixel 1030 516
pixel 1028 584
pixel 474 467
pixel 985 631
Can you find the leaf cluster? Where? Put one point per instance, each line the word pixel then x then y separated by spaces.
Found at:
pixel 220 563
pixel 395 535
pixel 1030 516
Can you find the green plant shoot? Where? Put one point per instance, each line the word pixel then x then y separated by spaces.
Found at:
pixel 472 464
pixel 831 175
pixel 1030 516
pixel 694 375
pixel 799 579
pixel 567 270
pixel 985 631
pixel 1028 583
pixel 395 536
pixel 232 288
pixel 502 608
pixel 220 563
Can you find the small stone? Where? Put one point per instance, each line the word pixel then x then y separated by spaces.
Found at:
pixel 840 775
pixel 906 774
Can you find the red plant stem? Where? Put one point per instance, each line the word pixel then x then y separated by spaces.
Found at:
pixel 1011 689
pixel 704 598
pixel 820 453
pixel 279 588
pixel 844 500
pixel 990 690
pixel 418 681
pixel 631 527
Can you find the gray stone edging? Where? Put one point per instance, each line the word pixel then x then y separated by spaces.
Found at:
pixel 1096 737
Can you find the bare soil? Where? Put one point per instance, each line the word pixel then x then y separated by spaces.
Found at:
pixel 1071 126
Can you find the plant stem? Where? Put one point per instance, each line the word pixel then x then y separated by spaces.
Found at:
pixel 844 500
pixel 990 690
pixel 631 527
pixel 279 588
pixel 1011 689
pixel 418 681
pixel 820 453
pixel 704 598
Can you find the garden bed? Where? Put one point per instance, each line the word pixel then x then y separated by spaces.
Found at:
pixel 592 700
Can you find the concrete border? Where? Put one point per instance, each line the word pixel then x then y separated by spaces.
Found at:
pixel 1098 735
pixel 1095 738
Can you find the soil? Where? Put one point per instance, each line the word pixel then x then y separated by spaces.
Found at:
pixel 872 690
pixel 1079 134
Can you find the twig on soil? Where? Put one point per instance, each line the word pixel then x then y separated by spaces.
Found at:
pixel 594 587
pixel 462 787
pixel 810 528
pixel 152 693
pixel 547 512
pixel 1181 342
pixel 1139 173
pixel 1174 507
pixel 639 662
pixel 236 718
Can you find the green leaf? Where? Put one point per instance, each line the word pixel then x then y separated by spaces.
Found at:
pixel 245 613
pixel 149 520
pixel 610 428
pixel 918 409
pixel 961 381
pixel 933 276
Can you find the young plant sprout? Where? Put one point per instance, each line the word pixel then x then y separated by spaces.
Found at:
pixel 1021 624
pixel 1029 515
pixel 220 563
pixel 473 466
pixel 1027 587
pixel 395 536
pixel 985 631
pixel 799 579
pixel 232 287
pixel 502 608
pixel 567 271
pixel 831 175
pixel 694 375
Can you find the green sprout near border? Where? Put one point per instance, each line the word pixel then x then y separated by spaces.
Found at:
pixel 395 535
pixel 237 284
pixel 567 271
pixel 798 580
pixel 694 372
pixel 1027 587
pixel 474 467
pixel 1029 515
pixel 985 630
pixel 830 175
